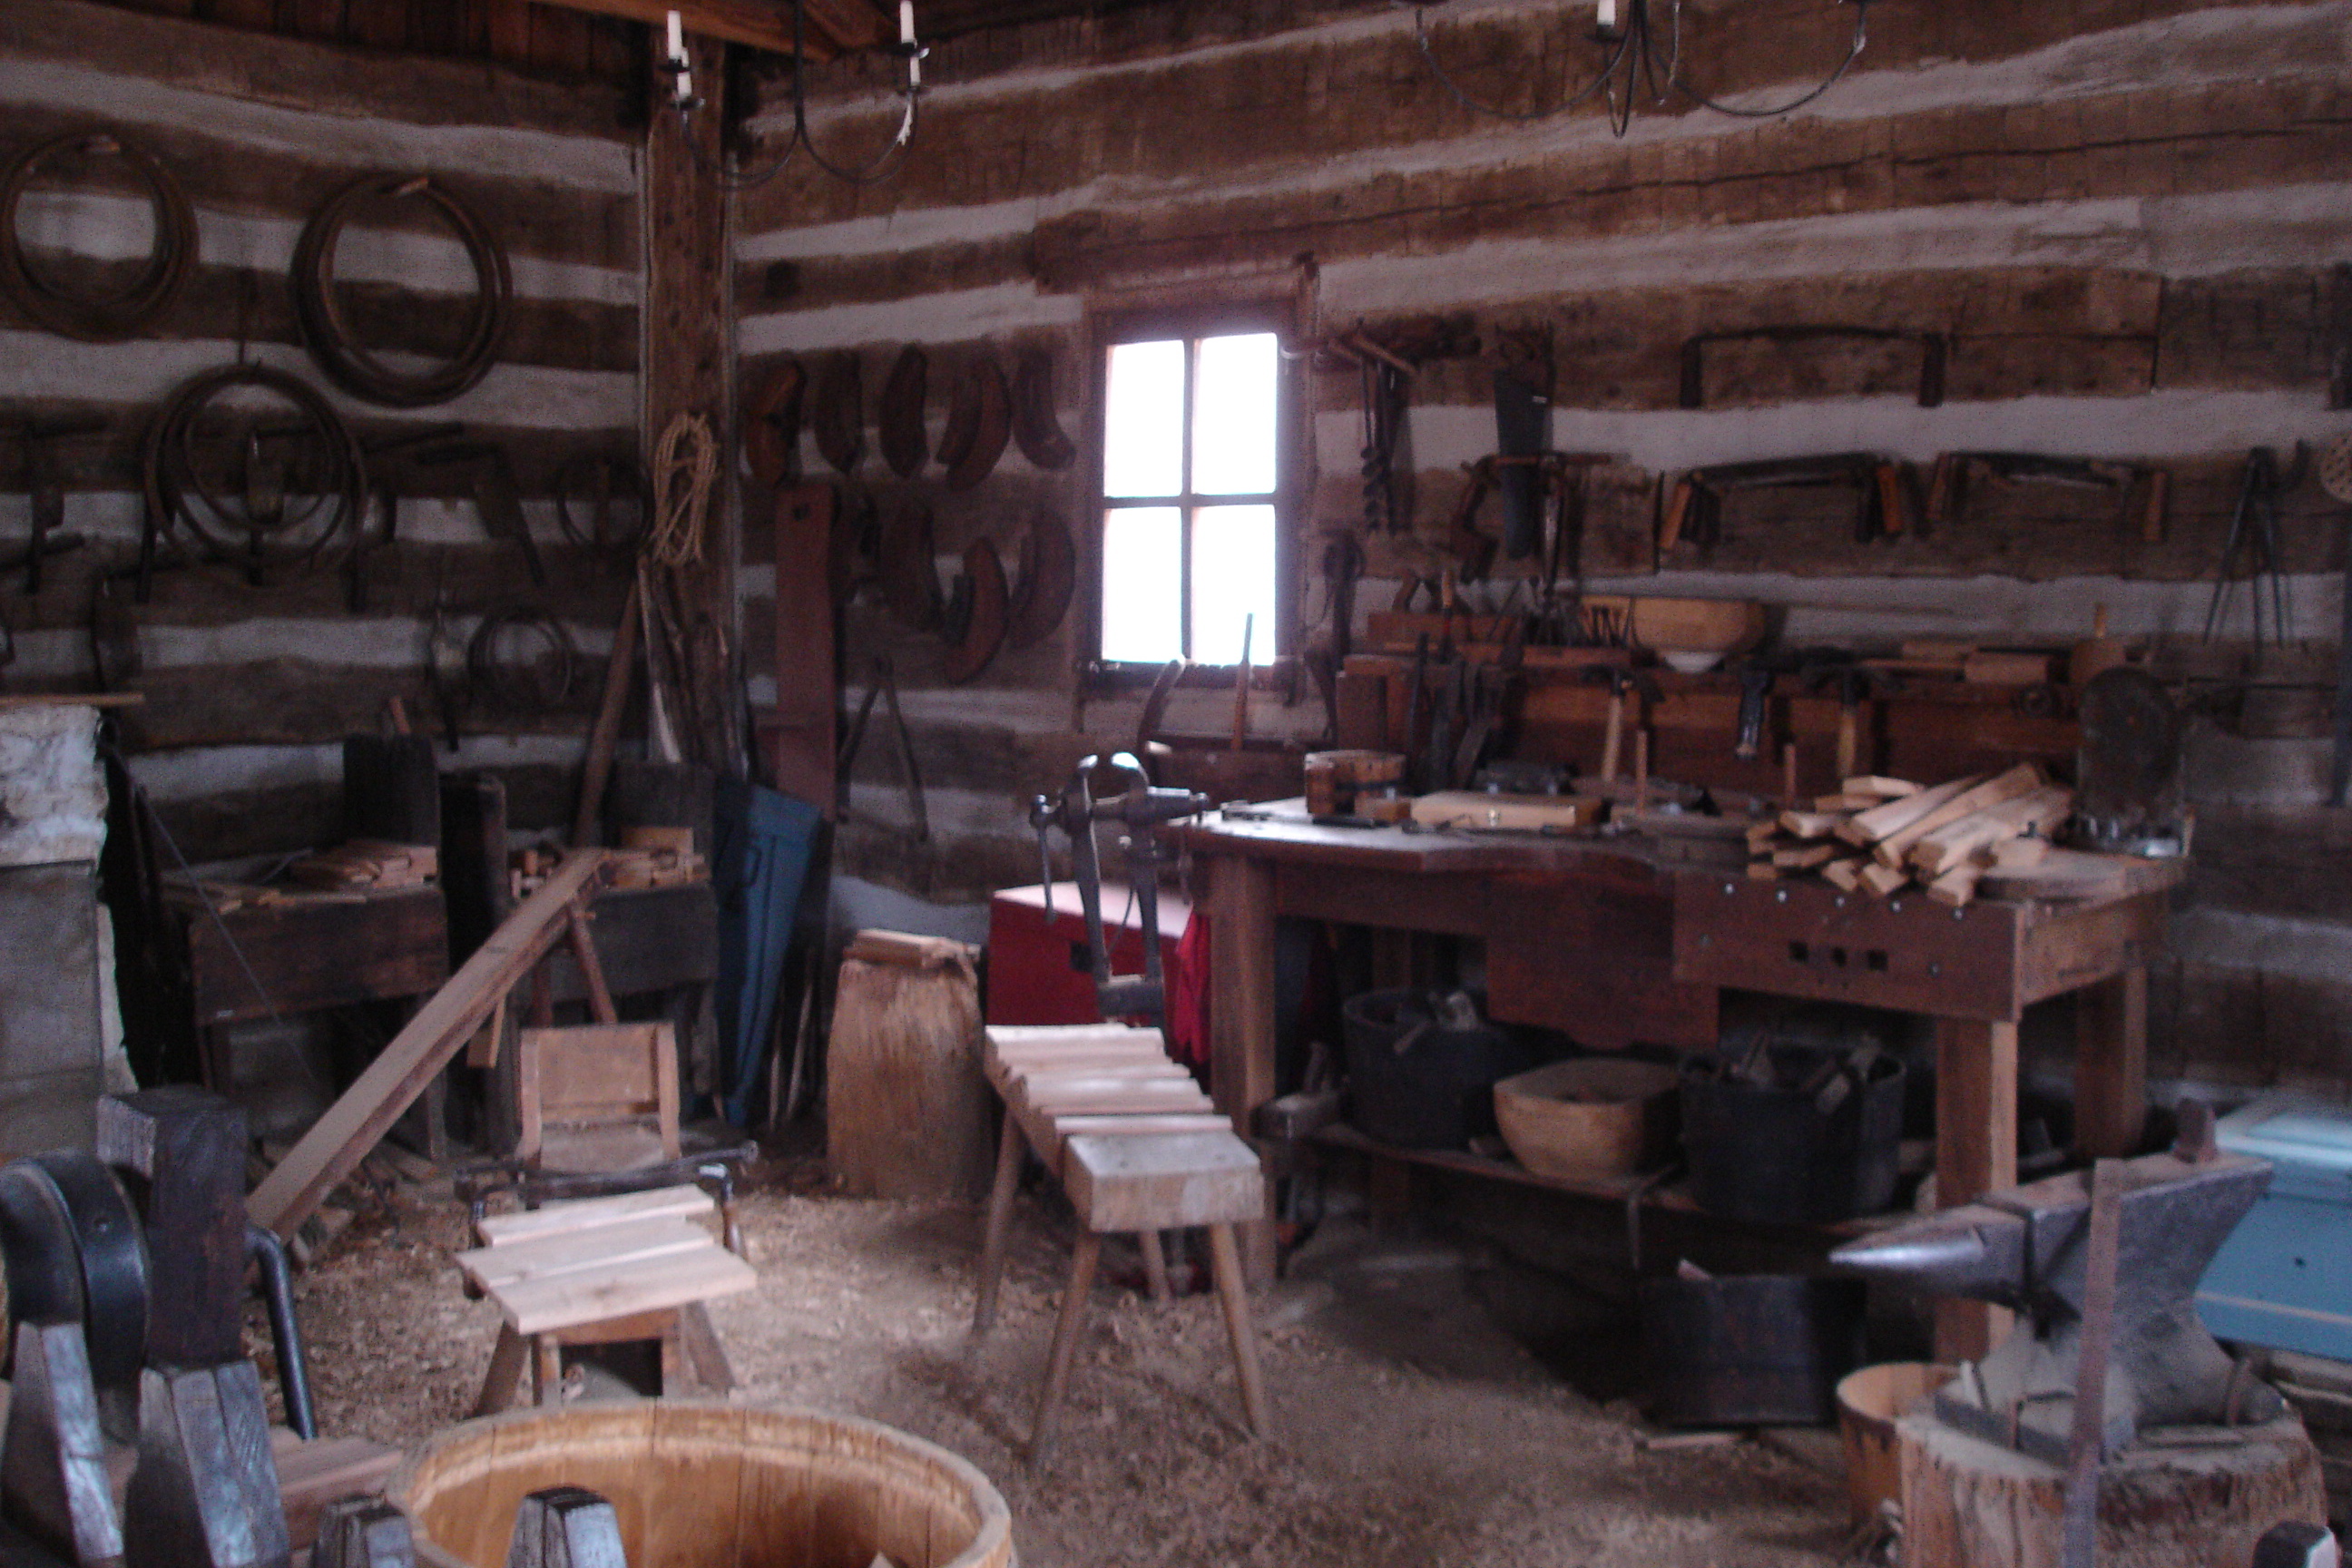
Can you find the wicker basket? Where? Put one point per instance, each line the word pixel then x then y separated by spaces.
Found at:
pixel 1592 1117
pixel 700 1485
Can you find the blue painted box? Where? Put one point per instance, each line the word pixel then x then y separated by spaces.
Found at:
pixel 2284 1277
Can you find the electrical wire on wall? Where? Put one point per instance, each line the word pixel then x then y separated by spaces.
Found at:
pixel 1636 64
pixel 730 170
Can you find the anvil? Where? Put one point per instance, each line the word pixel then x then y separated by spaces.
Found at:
pixel 2026 1247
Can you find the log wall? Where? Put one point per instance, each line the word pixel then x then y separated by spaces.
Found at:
pixel 2127 218
pixel 250 689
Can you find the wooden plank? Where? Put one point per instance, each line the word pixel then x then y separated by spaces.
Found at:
pixel 537 1306
pixel 2022 779
pixel 340 1140
pixel 837 27
pixel 570 1251
pixel 1896 815
pixel 313 1475
pixel 685 1200
pixel 1947 846
pixel 1976 1153
pixel 1163 1181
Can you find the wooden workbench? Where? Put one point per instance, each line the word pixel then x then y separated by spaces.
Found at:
pixel 1601 940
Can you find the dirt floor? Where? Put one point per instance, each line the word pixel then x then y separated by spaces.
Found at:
pixel 1411 1431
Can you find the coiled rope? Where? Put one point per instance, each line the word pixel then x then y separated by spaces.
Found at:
pixel 349 364
pixel 93 316
pixel 686 464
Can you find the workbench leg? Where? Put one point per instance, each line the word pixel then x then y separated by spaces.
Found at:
pixel 1975 1152
pixel 2111 1066
pixel 1084 1255
pixel 704 1353
pixel 1242 1018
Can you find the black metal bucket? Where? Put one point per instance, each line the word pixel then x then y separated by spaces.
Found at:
pixel 1750 1349
pixel 1436 1093
pixel 1770 1154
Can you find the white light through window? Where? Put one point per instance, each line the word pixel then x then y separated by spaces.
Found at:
pixel 1191 465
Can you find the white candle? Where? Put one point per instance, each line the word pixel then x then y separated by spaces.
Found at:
pixel 906 21
pixel 1607 18
pixel 677 36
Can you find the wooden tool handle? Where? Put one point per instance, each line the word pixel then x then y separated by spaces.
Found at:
pixel 1611 744
pixel 1670 531
pixel 2160 496
pixel 1940 490
pixel 1893 500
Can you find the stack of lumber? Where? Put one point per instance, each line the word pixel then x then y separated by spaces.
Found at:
pixel 1880 836
pixel 363 864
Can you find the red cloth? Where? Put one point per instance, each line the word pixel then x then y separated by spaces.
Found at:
pixel 1188 993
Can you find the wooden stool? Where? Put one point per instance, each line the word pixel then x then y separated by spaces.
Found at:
pixel 1056 1080
pixel 1150 1182
pixel 1138 1148
pixel 604 1271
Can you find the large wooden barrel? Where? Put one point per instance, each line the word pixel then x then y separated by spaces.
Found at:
pixel 706 1485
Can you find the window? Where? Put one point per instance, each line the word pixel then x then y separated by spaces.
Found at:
pixel 1191 542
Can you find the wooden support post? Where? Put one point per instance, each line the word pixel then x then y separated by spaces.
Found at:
pixel 1975 1152
pixel 189 1147
pixel 688 347
pixel 2111 1065
pixel 1241 1016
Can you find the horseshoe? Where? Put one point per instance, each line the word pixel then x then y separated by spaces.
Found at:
pixel 1034 425
pixel 980 422
pixel 907 561
pixel 840 413
pixel 976 614
pixel 1049 575
pixel 771 424
pixel 906 444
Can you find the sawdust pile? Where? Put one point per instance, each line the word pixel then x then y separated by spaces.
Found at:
pixel 1428 1439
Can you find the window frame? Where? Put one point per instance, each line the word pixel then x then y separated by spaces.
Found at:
pixel 1277 314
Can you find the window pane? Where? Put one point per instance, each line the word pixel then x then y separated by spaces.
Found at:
pixel 1143 570
pixel 1233 577
pixel 1143 420
pixel 1233 415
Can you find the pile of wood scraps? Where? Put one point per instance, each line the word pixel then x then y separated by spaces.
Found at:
pixel 367 863
pixel 1879 835
pixel 648 858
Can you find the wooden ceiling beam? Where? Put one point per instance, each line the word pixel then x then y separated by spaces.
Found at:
pixel 835 26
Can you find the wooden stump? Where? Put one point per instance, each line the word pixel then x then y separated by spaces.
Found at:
pixel 2178 1504
pixel 906 1108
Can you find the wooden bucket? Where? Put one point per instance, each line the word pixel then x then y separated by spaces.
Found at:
pixel 706 1485
pixel 1870 1402
pixel 1589 1117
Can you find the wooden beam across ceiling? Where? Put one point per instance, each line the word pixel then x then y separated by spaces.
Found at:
pixel 835 26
